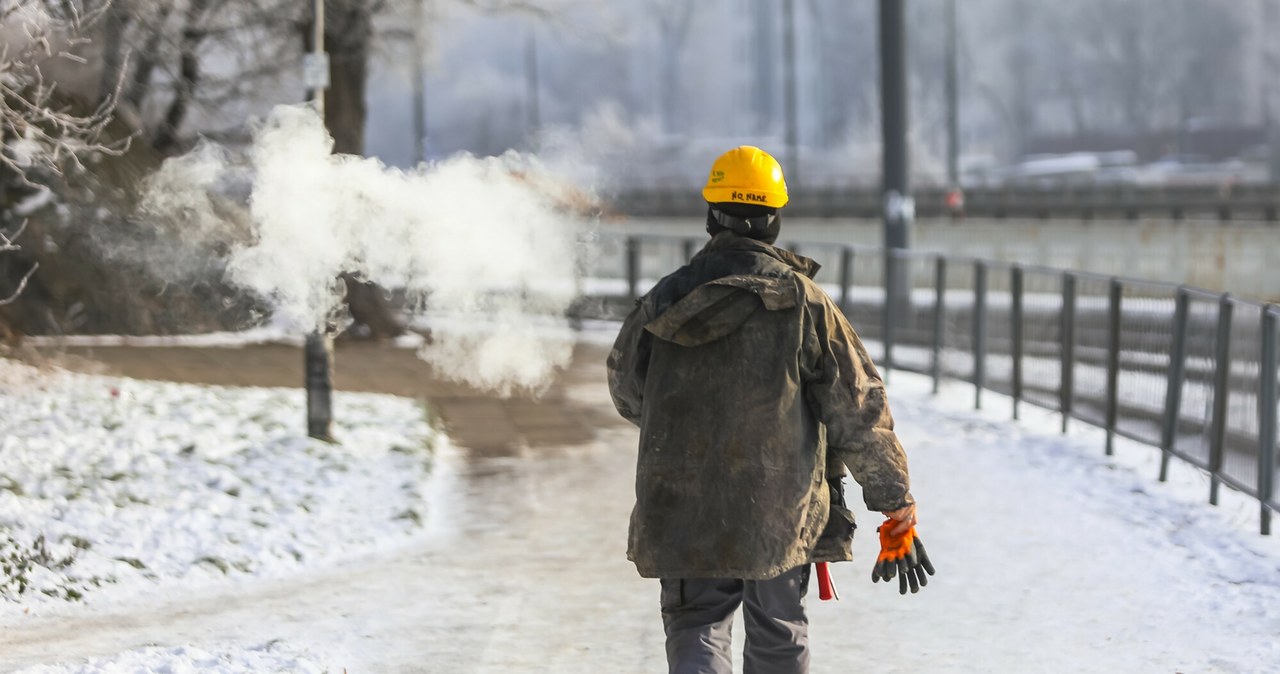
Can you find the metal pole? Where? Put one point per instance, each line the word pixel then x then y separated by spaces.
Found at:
pixel 789 92
pixel 953 99
pixel 1175 382
pixel 939 317
pixel 979 331
pixel 687 249
pixel 1113 362
pixel 1068 331
pixel 531 83
pixel 633 268
pixel 846 277
pixel 899 209
pixel 891 263
pixel 419 88
pixel 317 48
pixel 1221 392
pixel 1016 325
pixel 1267 417
pixel 318 352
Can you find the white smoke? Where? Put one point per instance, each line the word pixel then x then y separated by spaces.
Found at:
pixel 485 246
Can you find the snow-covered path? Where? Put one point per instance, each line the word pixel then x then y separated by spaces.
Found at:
pixel 1050 559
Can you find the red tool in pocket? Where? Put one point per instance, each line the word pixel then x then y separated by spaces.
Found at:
pixel 826 588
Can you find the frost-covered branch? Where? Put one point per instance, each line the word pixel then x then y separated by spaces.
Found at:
pixel 40 131
pixel 6 245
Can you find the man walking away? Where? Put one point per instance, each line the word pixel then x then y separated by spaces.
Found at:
pixel 753 395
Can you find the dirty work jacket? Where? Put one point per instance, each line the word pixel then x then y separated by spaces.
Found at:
pixel 742 375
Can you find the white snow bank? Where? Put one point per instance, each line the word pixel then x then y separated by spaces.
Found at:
pixel 271 657
pixel 109 486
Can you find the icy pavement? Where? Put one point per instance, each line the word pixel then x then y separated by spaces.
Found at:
pixel 1051 558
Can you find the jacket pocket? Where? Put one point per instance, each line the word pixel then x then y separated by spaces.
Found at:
pixel 672 595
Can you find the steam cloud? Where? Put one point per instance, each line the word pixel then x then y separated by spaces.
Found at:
pixel 485 245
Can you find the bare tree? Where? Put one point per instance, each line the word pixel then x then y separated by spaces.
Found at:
pixel 40 130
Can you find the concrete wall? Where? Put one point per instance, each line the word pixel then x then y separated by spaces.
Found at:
pixel 1242 258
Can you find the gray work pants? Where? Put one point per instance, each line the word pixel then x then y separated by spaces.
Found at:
pixel 698 614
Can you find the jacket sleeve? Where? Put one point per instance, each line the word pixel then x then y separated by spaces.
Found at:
pixel 628 363
pixel 848 396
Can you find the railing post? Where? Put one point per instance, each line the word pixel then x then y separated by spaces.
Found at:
pixel 1016 325
pixel 633 268
pixel 891 300
pixel 1267 417
pixel 1176 379
pixel 687 249
pixel 1221 391
pixel 1067 329
pixel 979 331
pixel 939 317
pixel 846 277
pixel 1113 362
pixel 318 362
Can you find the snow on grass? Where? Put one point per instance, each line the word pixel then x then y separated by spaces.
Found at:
pixel 112 485
pixel 271 657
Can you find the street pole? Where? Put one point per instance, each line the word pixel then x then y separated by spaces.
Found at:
pixel 789 58
pixel 531 83
pixel 419 88
pixel 899 209
pixel 953 100
pixel 318 352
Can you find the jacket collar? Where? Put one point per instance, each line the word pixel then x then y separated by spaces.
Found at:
pixel 728 240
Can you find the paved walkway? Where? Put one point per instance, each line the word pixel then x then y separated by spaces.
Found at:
pixel 523 569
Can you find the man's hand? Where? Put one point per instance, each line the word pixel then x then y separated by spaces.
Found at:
pixel 905 518
pixel 902 555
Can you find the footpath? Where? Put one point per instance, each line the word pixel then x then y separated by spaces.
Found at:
pixel 1051 557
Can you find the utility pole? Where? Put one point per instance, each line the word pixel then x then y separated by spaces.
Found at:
pixel 531 83
pixel 899 208
pixel 953 100
pixel 789 93
pixel 318 352
pixel 419 87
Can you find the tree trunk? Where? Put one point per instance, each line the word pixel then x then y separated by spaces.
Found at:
pixel 114 25
pixel 140 81
pixel 188 77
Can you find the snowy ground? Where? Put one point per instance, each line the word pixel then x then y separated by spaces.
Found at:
pixel 1051 557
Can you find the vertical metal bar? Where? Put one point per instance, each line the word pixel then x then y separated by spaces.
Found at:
pixel 318 361
pixel 846 277
pixel 419 87
pixel 979 331
pixel 1267 418
pixel 1016 324
pixel 686 248
pixel 1176 380
pixel 939 317
pixel 953 98
pixel 1113 362
pixel 1221 391
pixel 633 268
pixel 899 211
pixel 891 300
pixel 1068 331
pixel 791 123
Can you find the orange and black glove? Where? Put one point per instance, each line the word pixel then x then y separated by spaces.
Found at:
pixel 903 556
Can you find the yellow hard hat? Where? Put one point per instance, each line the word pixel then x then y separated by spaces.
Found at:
pixel 746 175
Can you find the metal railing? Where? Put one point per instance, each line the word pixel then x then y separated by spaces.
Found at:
pixel 1188 371
pixel 1086 202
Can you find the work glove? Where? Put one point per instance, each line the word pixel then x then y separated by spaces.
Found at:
pixel 901 555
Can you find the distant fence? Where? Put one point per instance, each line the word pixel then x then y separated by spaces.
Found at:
pixel 1225 202
pixel 1188 371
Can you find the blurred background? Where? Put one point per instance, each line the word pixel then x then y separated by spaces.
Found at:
pixel 1155 113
